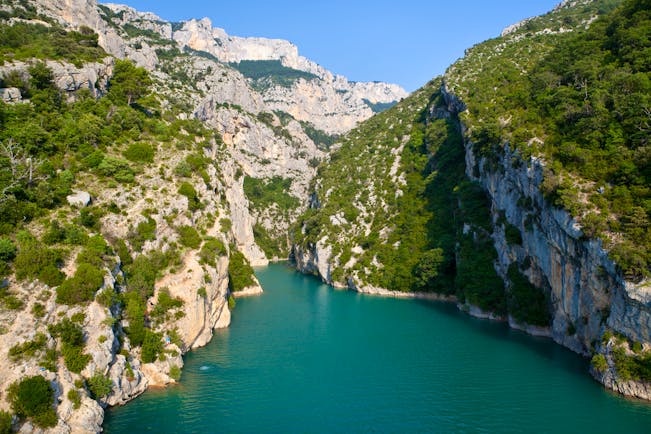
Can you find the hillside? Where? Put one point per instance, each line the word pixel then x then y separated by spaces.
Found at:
pixel 141 175
pixel 516 184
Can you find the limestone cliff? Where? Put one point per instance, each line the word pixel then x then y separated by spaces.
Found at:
pixel 183 212
pixel 504 229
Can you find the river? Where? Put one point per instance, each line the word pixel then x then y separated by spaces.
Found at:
pixel 304 357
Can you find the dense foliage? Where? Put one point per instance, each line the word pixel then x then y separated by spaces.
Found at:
pixel 264 193
pixel 268 73
pixel 582 101
pixel 240 272
pixel 24 41
pixel 33 398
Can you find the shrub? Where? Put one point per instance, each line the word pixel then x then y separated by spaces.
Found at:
pixel 240 272
pixel 512 234
pixel 212 249
pixel 99 386
pixel 89 217
pixel 82 286
pixel 225 224
pixel 49 360
pixel 175 373
pixel 75 398
pixel 28 349
pixel 599 363
pixel 35 261
pixel 33 398
pixel 231 302
pixel 117 169
pixel 38 310
pixel 123 252
pixel 151 346
pixel 189 237
pixel 106 297
pixel 526 302
pixel 72 348
pixel 135 312
pixel 145 231
pixel 140 153
pixel 263 193
pixel 7 249
pixel 165 303
pixel 186 189
pixel 5 422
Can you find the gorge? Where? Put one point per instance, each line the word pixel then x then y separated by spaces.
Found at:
pixel 148 165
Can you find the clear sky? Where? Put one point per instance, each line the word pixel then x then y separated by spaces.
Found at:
pixel 399 41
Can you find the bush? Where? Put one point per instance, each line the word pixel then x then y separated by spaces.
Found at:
pixel 28 349
pixel 151 346
pixel 599 363
pixel 99 386
pixel 7 249
pixel 212 249
pixel 72 348
pixel 33 398
pixel 263 193
pixel 165 303
pixel 189 237
pixel 145 231
pixel 194 203
pixel 117 169
pixel 512 234
pixel 140 153
pixel 82 286
pixel 75 398
pixel 5 422
pixel 240 272
pixel 526 302
pixel 123 252
pixel 135 314
pixel 35 261
pixel 175 373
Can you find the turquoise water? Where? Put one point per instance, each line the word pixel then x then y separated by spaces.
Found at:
pixel 306 358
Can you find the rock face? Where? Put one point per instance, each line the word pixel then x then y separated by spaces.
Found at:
pixel 587 294
pixel 331 103
pixel 10 95
pixel 256 132
pixel 91 76
pixel 79 198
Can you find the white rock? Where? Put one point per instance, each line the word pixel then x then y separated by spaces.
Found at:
pixel 79 199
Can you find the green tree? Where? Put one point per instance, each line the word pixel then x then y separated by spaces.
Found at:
pixel 33 398
pixel 427 268
pixel 129 83
pixel 5 422
pixel 99 385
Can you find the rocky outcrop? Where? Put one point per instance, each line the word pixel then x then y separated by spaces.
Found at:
pixel 586 289
pixel 79 198
pixel 314 259
pixel 10 95
pixel 69 78
pixel 330 102
pixel 204 299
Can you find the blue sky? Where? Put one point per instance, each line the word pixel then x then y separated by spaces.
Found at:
pixel 401 41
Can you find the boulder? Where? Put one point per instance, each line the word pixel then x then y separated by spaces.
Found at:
pixel 79 199
pixel 10 95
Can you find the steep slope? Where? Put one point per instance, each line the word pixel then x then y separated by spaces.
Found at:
pixel 547 229
pixel 134 197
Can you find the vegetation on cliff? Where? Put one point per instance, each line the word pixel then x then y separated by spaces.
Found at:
pixel 581 101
